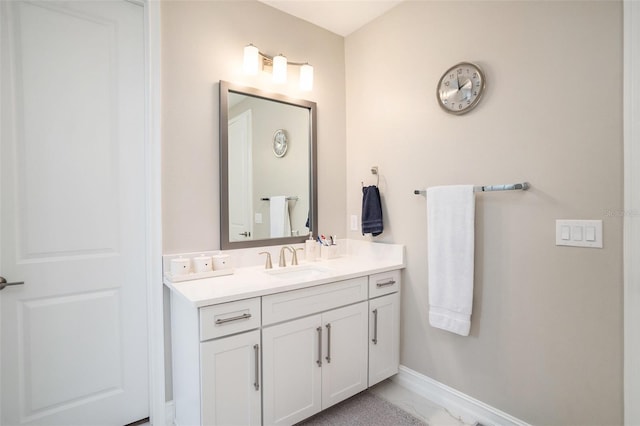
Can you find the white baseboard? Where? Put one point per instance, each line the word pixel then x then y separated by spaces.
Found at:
pixel 170 413
pixel 457 403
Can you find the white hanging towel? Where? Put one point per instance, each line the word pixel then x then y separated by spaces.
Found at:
pixel 279 216
pixel 450 228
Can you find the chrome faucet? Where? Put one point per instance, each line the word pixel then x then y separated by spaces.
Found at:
pixel 282 262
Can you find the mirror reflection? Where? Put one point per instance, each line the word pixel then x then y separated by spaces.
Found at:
pixel 267 166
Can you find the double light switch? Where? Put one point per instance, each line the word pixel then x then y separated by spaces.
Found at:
pixel 579 233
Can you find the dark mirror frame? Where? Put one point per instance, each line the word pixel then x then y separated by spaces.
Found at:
pixel 225 89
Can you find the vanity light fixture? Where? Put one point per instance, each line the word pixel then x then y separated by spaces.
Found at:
pixel 254 61
pixel 280 69
pixel 251 60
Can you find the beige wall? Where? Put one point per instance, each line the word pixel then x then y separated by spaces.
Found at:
pixel 202 43
pixel 546 336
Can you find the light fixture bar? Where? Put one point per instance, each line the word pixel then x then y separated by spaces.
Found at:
pixel 254 60
pixel 269 60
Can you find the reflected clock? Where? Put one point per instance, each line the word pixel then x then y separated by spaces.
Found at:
pixel 460 88
pixel 280 143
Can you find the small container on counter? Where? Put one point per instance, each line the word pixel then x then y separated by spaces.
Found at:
pixel 221 261
pixel 180 266
pixel 310 248
pixel 202 263
pixel 329 252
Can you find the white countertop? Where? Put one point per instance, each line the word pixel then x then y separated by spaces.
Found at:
pixel 359 259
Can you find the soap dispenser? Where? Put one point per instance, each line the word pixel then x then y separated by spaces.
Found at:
pixel 310 248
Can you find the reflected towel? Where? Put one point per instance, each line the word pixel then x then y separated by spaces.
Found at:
pixel 279 216
pixel 371 211
pixel 450 227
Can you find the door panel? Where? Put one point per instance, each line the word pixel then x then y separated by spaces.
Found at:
pixel 67 374
pixel 344 371
pixel 72 169
pixel 384 357
pixel 292 376
pixel 229 381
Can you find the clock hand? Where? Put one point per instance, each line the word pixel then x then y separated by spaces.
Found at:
pixel 466 90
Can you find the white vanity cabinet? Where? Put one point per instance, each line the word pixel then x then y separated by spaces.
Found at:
pixel 282 354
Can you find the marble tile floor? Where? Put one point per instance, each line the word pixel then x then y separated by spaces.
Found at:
pixel 416 405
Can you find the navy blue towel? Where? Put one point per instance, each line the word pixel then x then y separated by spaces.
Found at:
pixel 371 211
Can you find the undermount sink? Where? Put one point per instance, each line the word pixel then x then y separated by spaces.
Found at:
pixel 299 271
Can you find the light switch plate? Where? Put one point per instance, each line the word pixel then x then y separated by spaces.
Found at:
pixel 579 233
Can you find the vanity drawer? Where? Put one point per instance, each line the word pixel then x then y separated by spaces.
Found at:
pixel 228 318
pixel 384 283
pixel 297 303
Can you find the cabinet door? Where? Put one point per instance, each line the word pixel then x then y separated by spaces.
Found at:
pixel 344 369
pixel 384 337
pixel 231 380
pixel 292 365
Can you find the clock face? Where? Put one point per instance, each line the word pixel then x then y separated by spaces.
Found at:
pixel 279 143
pixel 460 88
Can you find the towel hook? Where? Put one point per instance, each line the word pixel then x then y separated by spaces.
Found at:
pixel 374 171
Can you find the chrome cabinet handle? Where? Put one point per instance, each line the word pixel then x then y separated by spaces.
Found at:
pixel 239 317
pixel 319 361
pixel 390 282
pixel 256 350
pixel 328 357
pixel 375 327
pixel 4 283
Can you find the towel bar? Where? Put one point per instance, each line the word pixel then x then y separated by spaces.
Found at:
pixel 487 188
pixel 292 198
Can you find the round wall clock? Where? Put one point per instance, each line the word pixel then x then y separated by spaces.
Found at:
pixel 460 88
pixel 280 143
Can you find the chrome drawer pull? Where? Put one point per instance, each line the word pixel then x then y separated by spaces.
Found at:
pixel 375 327
pixel 390 282
pixel 319 361
pixel 239 317
pixel 256 384
pixel 328 357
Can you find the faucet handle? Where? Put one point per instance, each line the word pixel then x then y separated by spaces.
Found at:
pixel 267 264
pixel 294 259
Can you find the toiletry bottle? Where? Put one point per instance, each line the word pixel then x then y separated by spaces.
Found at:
pixel 310 248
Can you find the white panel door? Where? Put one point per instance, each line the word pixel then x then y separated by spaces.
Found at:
pixel 231 393
pixel 72 219
pixel 344 371
pixel 240 178
pixel 292 366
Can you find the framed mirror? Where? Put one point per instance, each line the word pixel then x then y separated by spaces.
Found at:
pixel 268 168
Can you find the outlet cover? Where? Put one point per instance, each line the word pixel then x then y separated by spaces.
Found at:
pixel 354 222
